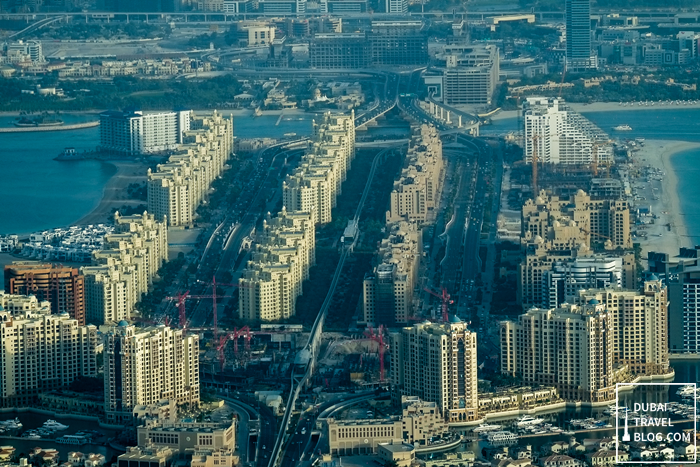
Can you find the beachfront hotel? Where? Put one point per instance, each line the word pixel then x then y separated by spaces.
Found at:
pixel 279 263
pixel 559 135
pixel 39 350
pixel 145 366
pixel 569 348
pixel 61 285
pixel 124 269
pixel 437 362
pixel 134 133
pixel 176 188
pixel 316 182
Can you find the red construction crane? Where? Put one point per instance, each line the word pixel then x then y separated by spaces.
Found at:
pixel 445 299
pixel 378 337
pixel 223 340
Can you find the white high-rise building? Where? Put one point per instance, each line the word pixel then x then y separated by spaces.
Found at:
pixel 40 351
pixel 562 282
pixel 134 133
pixel 437 362
pixel 145 366
pixel 399 7
pixel 555 134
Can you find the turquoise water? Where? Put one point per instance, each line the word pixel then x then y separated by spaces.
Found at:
pixel 682 124
pixel 41 193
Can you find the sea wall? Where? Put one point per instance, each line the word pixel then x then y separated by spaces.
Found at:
pixel 75 126
pixel 63 415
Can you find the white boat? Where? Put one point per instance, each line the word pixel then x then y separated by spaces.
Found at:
pixel 502 436
pixel 11 424
pixel 688 390
pixel 485 428
pixel 54 425
pixel 526 420
pixel 622 128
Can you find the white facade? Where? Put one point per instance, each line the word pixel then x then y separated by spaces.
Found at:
pixel 566 278
pixel 397 6
pixel 559 135
pixel 144 366
pixel 135 133
pixel 40 351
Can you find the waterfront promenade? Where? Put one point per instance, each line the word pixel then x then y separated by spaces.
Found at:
pixel 30 129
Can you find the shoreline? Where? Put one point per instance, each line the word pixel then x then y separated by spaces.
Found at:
pixel 114 192
pixel 658 154
pixel 603 107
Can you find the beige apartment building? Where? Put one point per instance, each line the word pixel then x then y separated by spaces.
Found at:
pixel 419 422
pixel 415 193
pixel 316 183
pixel 18 304
pixel 176 188
pixel 569 348
pixel 144 366
pixel 388 291
pixel 124 269
pixel 40 351
pixel 437 362
pixel 278 265
pixel 639 325
pixel 604 222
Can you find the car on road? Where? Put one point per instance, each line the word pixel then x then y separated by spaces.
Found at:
pixel 303 431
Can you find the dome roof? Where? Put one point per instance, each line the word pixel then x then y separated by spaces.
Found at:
pixel 653 277
pixel 539 200
pixel 123 323
pixel 593 301
pixel 454 319
pixel 580 192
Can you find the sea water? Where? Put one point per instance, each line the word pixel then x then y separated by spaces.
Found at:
pixel 41 193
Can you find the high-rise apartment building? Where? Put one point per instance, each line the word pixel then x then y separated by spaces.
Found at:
pixel 682 275
pixel 135 133
pixel 569 348
pixel 639 325
pixel 176 188
pixel 31 49
pixel 388 291
pixel 144 366
pixel 62 286
pixel 316 183
pixel 579 55
pixel 415 193
pixel 339 50
pixel 282 7
pixel 40 351
pixel 280 262
pixel 437 362
pixel 555 134
pixel 124 269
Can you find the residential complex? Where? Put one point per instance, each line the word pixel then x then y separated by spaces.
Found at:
pixel 416 193
pixel 639 325
pixel 124 269
pixel 40 351
pixel 555 134
pixel 420 424
pixel 279 263
pixel 135 133
pixel 186 437
pixel 62 286
pixel 570 348
pixel 176 188
pixel 144 366
pixel 388 292
pixel 437 362
pixel 559 237
pixel 316 183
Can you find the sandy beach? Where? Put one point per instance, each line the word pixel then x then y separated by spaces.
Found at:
pixel 658 154
pixel 604 107
pixel 114 194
